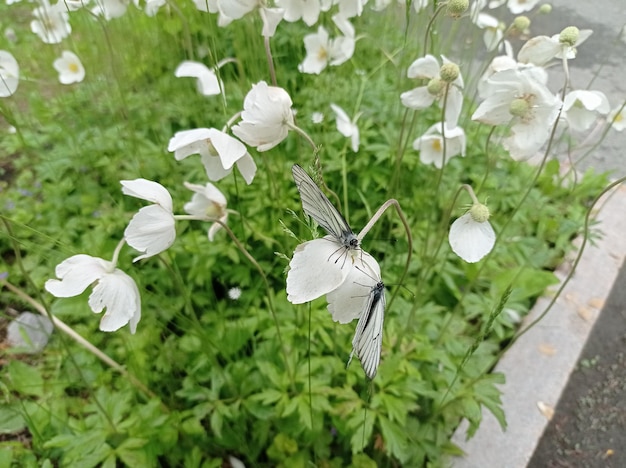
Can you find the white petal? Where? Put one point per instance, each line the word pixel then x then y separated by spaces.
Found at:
pixel 471 240
pixel 118 293
pixel 213 167
pixel 148 190
pixel 208 84
pixel 418 98
pixel 425 67
pixel 317 268
pixel 151 231
pixel 9 74
pixel 347 301
pixel 76 273
pixel 189 142
pixel 270 17
pixel 229 149
pixel 247 168
pixel 539 50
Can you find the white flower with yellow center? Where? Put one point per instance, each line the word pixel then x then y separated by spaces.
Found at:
pixel 431 145
pixel 70 68
pixel 207 203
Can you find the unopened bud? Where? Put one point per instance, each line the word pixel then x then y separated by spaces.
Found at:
pixel 521 23
pixel 435 86
pixel 545 9
pixel 457 7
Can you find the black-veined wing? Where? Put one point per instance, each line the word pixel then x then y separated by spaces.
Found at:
pixel 368 337
pixel 318 206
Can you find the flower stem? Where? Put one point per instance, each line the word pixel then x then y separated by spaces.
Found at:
pixel 270 60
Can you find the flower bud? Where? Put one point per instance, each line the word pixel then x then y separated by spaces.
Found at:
pixel 521 23
pixel 457 7
pixel 519 107
pixel 569 36
pixel 545 9
pixel 435 86
pixel 449 72
pixel 479 212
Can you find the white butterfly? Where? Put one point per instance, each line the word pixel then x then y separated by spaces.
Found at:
pixel 368 337
pixel 318 206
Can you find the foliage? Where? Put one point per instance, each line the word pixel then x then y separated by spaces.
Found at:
pixel 229 377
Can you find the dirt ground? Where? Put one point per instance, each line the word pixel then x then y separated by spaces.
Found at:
pixel 588 428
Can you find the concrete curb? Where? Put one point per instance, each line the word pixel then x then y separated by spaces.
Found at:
pixel 537 367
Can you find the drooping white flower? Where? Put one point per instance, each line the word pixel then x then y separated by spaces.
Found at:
pixel 431 145
pixel 617 118
pixel 471 236
pixel 70 68
pixel 581 108
pixel 540 50
pixel 9 74
pixel 152 229
pixel 324 266
pixel 518 98
pixel 51 22
pixel 207 202
pixel 493 30
pixel 218 151
pixel 346 126
pixel 236 9
pixel 114 290
pixel 266 118
pixel 423 96
pixel 207 81
pixel 306 10
pixel 110 9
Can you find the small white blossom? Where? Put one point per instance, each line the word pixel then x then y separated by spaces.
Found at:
pixel 617 118
pixel 423 96
pixel 152 229
pixel 207 81
pixel 347 127
pixel 70 68
pixel 322 51
pixel 234 293
pixel 266 117
pixel 207 202
pixel 218 151
pixel 581 108
pixel 114 290
pixel 9 74
pixel 540 50
pixel 51 22
pixel 471 236
pixel 431 145
pixel 317 117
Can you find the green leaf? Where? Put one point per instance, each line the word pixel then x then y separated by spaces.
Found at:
pixel 25 379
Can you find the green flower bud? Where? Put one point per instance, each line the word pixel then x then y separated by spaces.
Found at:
pixel 569 36
pixel 519 107
pixel 435 86
pixel 479 212
pixel 457 7
pixel 521 23
pixel 545 9
pixel 449 72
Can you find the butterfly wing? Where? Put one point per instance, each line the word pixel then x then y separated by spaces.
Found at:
pixel 318 206
pixel 367 341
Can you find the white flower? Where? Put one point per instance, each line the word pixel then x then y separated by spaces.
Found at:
pixel 347 127
pixel 69 68
pixel 617 118
pixel 51 23
pixel 350 8
pixel 581 108
pixel 207 202
pixel 307 10
pixel 517 98
pixel 423 96
pixel 151 230
pixel 110 9
pixel 322 51
pixel 323 266
pixel 113 290
pixel 431 145
pixel 218 152
pixel 266 117
pixel 317 117
pixel 520 6
pixel 540 50
pixel 208 83
pixel 236 9
pixel 9 74
pixel 471 236
pixel 493 31
pixel 234 293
